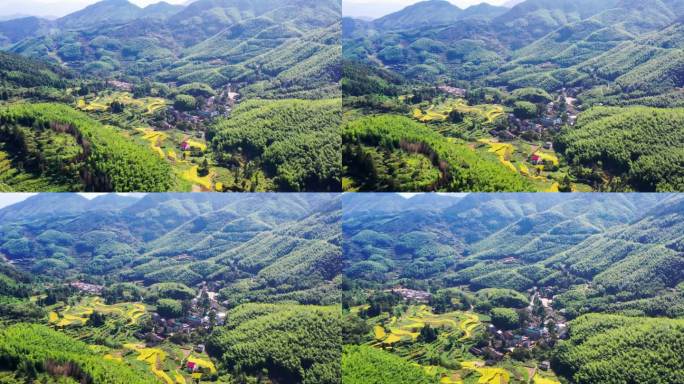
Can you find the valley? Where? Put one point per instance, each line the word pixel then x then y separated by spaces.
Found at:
pixel 171 94
pixel 511 288
pixel 551 83
pixel 170 288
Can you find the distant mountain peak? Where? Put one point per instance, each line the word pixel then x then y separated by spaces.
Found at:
pixel 429 12
pixel 103 12
pixel 512 3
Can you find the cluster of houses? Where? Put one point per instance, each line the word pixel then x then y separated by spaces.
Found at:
pixel 120 85
pixel 453 91
pixel 92 289
pixel 502 342
pixel 412 294
pixel 199 316
pixel 552 118
pixel 219 105
pixel 212 107
pixel 545 328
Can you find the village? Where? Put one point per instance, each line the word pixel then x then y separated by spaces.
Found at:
pixel 207 108
pixel 541 325
pixel 555 114
pixel 204 312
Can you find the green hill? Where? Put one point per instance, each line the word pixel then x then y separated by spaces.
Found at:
pixel 359 365
pixel 425 13
pixel 436 163
pixel 602 253
pixel 638 146
pixel 131 288
pixel 75 152
pixel 260 249
pixel 294 343
pixel 30 349
pixel 602 348
pixel 270 45
pixel 509 49
pixel 294 144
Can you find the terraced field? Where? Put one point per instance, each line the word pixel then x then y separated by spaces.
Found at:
pixel 400 335
pixel 166 145
pixel 155 138
pixel 155 358
pixel 203 363
pixel 203 182
pixel 516 155
pixel 503 151
pixel 167 362
pixel 147 105
pixel 544 380
pixel 488 375
pixel 79 314
pixel 440 113
pixel 407 328
pixel 468 325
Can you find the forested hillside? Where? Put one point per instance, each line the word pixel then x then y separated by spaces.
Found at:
pixel 272 45
pixel 53 353
pixel 171 288
pixel 89 156
pixel 166 80
pixel 598 346
pixel 15 292
pixel 513 288
pixel 379 149
pixel 510 47
pixel 602 251
pixel 257 332
pixel 523 83
pixel 230 240
pixel 25 77
pixel 637 146
pixel 291 145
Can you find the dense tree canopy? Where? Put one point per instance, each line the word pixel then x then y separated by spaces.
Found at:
pixel 295 343
pixel 640 145
pixel 98 157
pixel 462 169
pixel 296 142
pixel 34 349
pixel 604 348
pixel 360 366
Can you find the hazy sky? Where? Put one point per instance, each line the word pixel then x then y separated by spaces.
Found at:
pixel 378 8
pixel 58 7
pixel 408 195
pixel 357 8
pixel 7 199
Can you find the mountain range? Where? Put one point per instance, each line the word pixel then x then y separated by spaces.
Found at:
pixel 627 49
pixel 601 252
pixel 213 41
pixel 249 244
